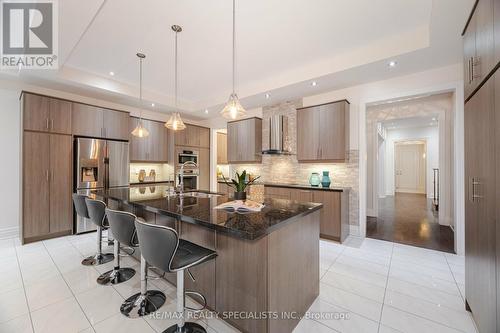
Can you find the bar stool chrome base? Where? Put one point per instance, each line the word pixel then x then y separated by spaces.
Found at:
pixel 116 276
pixel 140 305
pixel 98 259
pixel 187 328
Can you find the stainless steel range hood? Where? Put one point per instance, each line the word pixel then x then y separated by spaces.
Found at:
pixel 278 135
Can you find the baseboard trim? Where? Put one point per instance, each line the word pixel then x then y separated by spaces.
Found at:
pixel 7 233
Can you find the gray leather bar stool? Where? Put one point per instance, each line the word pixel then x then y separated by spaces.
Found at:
pixel 161 247
pixel 97 214
pixel 123 227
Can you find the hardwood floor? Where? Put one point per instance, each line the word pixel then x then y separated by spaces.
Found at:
pixel 408 219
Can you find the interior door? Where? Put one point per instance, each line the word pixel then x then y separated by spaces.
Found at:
pixel 36 175
pixel 61 205
pixel 408 168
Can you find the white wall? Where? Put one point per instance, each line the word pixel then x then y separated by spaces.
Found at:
pixel 431 135
pixel 9 168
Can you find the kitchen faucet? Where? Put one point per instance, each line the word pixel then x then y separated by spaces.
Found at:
pixel 181 174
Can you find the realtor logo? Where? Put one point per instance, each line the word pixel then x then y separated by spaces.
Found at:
pixel 29 34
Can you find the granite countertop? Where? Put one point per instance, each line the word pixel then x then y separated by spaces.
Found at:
pixel 302 186
pixel 201 211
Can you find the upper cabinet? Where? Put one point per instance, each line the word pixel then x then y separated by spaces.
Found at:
pixel 221 148
pixel 323 133
pixel 244 141
pixel 193 136
pixel 93 121
pixel 154 147
pixel 481 50
pixel 46 114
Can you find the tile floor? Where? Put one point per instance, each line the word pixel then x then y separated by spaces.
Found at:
pixel 380 287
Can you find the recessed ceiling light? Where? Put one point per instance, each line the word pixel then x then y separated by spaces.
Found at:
pixel 392 64
pixel 112 73
pixel 206 111
pixel 153 104
pixel 434 119
pixel 268 95
pixel 314 83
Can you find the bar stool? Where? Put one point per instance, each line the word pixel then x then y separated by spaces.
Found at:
pixel 161 247
pixel 97 214
pixel 124 232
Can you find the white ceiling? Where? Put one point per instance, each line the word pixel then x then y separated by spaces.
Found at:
pixel 281 47
pixel 413 122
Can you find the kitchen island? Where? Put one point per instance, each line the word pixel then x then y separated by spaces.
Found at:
pixel 266 274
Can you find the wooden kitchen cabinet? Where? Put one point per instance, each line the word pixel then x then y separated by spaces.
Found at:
pixel 244 141
pixel 46 114
pixel 480 53
pixel 61 171
pixel 204 166
pixel 330 214
pixel 116 125
pixel 301 195
pixel 277 192
pixel 87 120
pixel 47 186
pixel 154 147
pixel 193 136
pixel 221 148
pixel 323 133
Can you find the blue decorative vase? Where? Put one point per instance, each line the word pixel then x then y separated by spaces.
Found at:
pixel 314 180
pixel 325 181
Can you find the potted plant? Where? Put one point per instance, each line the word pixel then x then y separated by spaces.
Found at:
pixel 240 184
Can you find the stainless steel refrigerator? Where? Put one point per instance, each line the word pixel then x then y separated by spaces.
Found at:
pixel 99 164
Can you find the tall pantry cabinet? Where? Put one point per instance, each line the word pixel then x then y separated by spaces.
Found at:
pixel 482 157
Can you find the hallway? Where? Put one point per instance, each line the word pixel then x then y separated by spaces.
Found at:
pixel 408 219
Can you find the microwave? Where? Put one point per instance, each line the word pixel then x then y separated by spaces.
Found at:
pixel 187 156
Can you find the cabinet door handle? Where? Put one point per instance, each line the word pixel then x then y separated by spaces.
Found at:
pixel 47 175
pixel 475 61
pixel 52 124
pixel 47 123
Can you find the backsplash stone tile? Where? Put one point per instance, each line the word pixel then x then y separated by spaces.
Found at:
pixel 287 169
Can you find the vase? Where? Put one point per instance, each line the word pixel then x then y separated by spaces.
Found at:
pixel 314 180
pixel 240 195
pixel 325 180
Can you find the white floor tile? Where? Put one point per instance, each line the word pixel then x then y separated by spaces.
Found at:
pixel 60 317
pixel 12 305
pixel 100 303
pixel 352 302
pixel 427 294
pixel 368 290
pixel 360 274
pixel 443 274
pixel 10 280
pixel 409 323
pixel 47 292
pixel 363 264
pixel 18 325
pixel 381 259
pixel 132 286
pixel 82 279
pixel 460 320
pixel 308 326
pixel 122 324
pixel 425 280
pixel 221 326
pixel 353 323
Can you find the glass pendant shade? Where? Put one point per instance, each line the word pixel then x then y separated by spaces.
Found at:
pixel 233 108
pixel 140 131
pixel 175 122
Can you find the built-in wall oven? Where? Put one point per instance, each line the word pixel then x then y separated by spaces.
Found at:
pixel 191 179
pixel 184 156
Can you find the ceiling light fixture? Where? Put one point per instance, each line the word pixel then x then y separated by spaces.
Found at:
pixel 233 108
pixel 268 95
pixel 140 131
pixel 112 73
pixel 392 64
pixel 314 83
pixel 153 104
pixel 206 111
pixel 175 122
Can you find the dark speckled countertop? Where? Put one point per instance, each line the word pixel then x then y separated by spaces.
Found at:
pixel 201 211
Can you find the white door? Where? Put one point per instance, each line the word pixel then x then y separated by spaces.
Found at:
pixel 410 168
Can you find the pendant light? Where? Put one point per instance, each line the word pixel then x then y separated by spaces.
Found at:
pixel 233 108
pixel 140 131
pixel 175 122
